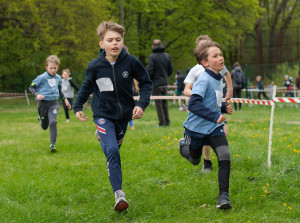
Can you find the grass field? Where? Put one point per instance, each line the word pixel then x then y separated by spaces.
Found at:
pixel 72 185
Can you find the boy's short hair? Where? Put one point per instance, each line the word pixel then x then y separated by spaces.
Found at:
pixel 201 51
pixel 52 59
pixel 202 37
pixel 67 71
pixel 110 25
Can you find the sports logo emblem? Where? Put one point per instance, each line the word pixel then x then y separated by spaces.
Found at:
pixel 102 121
pixel 125 74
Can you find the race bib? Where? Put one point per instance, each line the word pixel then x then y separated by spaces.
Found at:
pixel 52 82
pixel 105 84
pixel 219 96
pixel 64 88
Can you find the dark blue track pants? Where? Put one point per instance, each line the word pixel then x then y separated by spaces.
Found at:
pixel 112 134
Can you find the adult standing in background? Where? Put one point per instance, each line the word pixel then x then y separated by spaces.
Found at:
pixel 237 78
pixel 160 68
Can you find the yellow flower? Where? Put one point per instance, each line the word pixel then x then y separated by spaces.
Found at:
pixel 268 184
pixel 154 152
pixel 289 208
pixel 264 129
pixel 237 155
pixel 146 134
pixel 251 124
pixel 250 198
pixel 249 157
pixel 186 173
pixel 284 204
pixel 213 157
pixel 196 180
pixel 92 164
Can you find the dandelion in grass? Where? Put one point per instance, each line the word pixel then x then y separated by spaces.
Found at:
pixel 284 204
pixel 250 198
pixel 296 151
pixel 289 208
pixel 196 180
pixel 213 157
pixel 237 155
pixel 249 157
pixel 268 184
pixel 146 134
pixel 92 164
pixel 249 130
pixel 251 124
pixel 294 163
pixel 265 129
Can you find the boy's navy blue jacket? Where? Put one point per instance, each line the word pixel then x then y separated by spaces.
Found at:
pixel 112 87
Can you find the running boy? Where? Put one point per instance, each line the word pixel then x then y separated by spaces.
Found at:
pixel 109 77
pixel 67 88
pixel 47 88
pixel 191 78
pixel 204 124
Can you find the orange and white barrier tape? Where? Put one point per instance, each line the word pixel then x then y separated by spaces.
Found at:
pixel 251 101
pixel 11 94
pixel 287 100
pixel 162 97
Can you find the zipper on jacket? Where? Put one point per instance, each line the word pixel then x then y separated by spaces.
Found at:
pixel 113 68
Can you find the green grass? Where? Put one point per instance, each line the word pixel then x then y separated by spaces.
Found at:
pixel 72 185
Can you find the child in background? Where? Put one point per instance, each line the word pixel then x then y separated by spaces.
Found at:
pixel 135 93
pixel 271 87
pixel 261 90
pixel 67 88
pixel 47 89
pixel 109 77
pixel 205 121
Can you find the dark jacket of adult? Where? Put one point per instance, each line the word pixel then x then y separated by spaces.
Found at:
pixel 159 66
pixel 234 84
pixel 111 86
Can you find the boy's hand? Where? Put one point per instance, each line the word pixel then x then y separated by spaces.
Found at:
pixel 40 97
pixel 229 108
pixel 67 104
pixel 137 112
pixel 81 116
pixel 221 119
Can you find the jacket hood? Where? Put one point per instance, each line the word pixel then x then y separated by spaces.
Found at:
pixel 159 49
pixel 237 68
pixel 121 56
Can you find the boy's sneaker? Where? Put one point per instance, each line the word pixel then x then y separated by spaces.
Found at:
pixel 184 148
pixel 207 167
pixel 223 201
pixel 52 149
pixel 121 203
pixel 68 120
pixel 97 135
